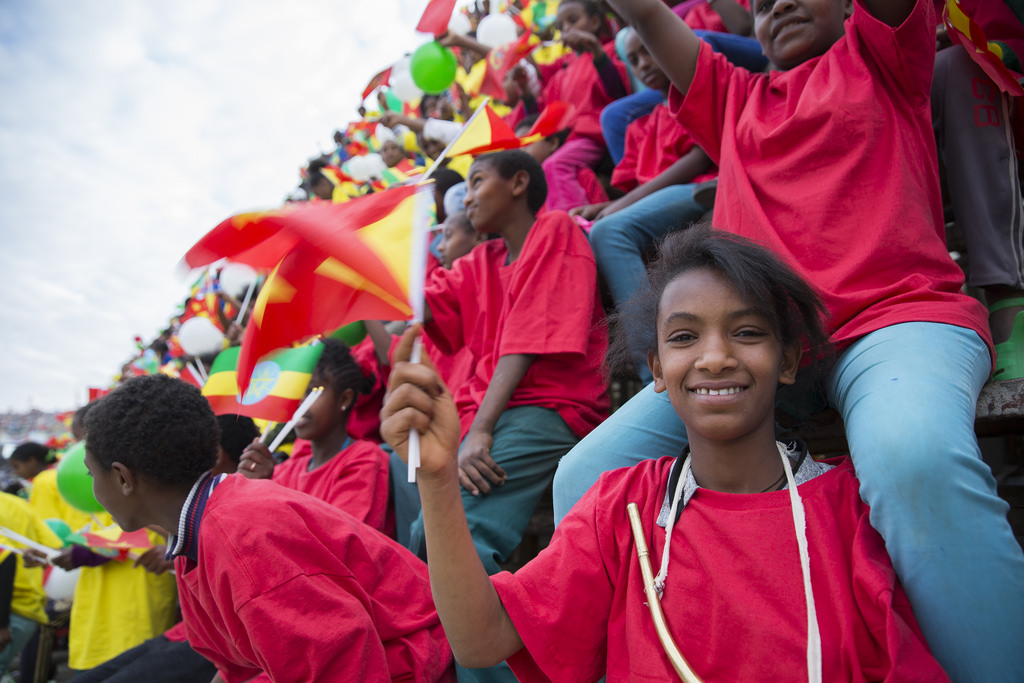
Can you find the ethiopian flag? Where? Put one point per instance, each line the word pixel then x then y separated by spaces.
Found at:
pixel 276 389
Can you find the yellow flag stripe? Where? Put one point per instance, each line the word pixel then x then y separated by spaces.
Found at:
pixel 290 384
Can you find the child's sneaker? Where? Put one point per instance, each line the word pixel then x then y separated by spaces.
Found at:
pixel 1010 353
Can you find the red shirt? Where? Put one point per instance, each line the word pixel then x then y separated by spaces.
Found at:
pixel 832 165
pixel 734 600
pixel 578 84
pixel 653 143
pixel 355 480
pixel 546 303
pixel 288 585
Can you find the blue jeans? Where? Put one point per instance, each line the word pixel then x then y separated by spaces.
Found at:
pixel 740 50
pixel 907 394
pixel 621 240
pixel 21 630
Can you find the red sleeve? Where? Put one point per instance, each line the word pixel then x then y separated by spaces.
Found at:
pixel 444 292
pixel 561 601
pixel 551 293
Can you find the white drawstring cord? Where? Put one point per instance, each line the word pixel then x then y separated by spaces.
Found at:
pixel 799 522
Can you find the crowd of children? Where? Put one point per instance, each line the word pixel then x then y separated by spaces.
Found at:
pixel 809 134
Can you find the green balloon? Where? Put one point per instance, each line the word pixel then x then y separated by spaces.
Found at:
pixel 74 482
pixel 60 528
pixel 351 334
pixel 433 67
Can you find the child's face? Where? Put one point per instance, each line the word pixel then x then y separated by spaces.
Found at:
pixel 573 15
pixel 106 487
pixel 391 153
pixel 793 31
pixel 326 413
pixel 456 241
pixel 26 469
pixel 718 359
pixel 644 66
pixel 488 196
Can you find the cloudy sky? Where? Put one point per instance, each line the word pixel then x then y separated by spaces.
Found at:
pixel 128 128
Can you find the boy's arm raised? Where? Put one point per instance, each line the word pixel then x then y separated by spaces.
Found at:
pixel 477 625
pixel 671 42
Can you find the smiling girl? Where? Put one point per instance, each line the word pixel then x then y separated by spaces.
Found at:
pixel 728 323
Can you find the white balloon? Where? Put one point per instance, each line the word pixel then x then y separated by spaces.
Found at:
pixel 235 279
pixel 384 134
pixel 460 24
pixel 60 584
pixel 404 87
pixel 358 168
pixel 374 165
pixel 198 336
pixel 402 66
pixel 496 29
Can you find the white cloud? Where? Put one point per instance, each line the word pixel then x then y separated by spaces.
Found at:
pixel 129 129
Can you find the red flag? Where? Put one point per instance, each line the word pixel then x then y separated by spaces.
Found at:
pixel 382 78
pixel 116 539
pixel 435 18
pixel 254 239
pixel 988 55
pixel 553 119
pixel 501 60
pixel 96 392
pixel 351 263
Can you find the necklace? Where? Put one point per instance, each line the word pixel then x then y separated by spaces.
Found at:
pixel 777 484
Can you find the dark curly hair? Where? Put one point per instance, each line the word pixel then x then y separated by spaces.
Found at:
pixel 31 450
pixel 155 425
pixel 236 432
pixel 793 308
pixel 337 366
pixel 511 161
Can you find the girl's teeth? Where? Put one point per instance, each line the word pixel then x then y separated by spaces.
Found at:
pixel 719 392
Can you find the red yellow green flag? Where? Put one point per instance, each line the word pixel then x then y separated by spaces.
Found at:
pixel 484 132
pixel 988 54
pixel 352 261
pixel 276 389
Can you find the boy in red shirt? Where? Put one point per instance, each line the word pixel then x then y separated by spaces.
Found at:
pixel 527 308
pixel 253 558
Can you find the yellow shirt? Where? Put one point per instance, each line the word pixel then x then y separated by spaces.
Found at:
pixel 28 598
pixel 45 498
pixel 118 606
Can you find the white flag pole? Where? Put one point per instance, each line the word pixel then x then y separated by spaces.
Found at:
pixel 417 281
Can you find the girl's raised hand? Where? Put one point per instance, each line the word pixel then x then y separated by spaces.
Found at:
pixel 581 41
pixel 257 462
pixel 418 399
